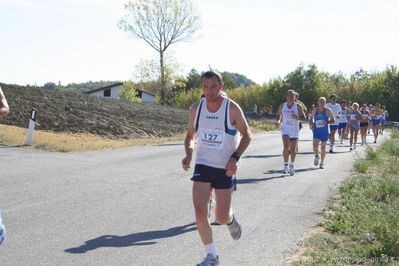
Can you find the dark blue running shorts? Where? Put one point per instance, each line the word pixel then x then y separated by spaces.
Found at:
pixel 342 125
pixel 216 176
pixel 333 127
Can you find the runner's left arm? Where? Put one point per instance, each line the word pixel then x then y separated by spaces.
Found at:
pixel 239 121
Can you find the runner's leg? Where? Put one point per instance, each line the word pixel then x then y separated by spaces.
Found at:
pixel 223 211
pixel 292 146
pixel 286 145
pixel 201 197
pixel 323 145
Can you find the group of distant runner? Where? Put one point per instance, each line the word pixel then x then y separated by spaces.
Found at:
pixel 325 119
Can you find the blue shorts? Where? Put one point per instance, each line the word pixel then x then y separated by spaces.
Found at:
pixel 342 125
pixel 215 176
pixel 376 122
pixel 355 126
pixel 333 127
pixel 321 135
pixel 383 121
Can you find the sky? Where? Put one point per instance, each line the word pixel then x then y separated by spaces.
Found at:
pixel 78 40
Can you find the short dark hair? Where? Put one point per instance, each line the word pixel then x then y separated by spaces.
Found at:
pixel 333 96
pixel 212 73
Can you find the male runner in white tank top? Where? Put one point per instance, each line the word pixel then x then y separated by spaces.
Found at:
pixel 288 117
pixel 336 109
pixel 215 123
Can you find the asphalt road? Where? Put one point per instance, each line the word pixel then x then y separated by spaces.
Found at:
pixel 133 206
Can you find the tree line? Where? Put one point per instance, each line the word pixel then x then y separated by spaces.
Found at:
pixel 311 83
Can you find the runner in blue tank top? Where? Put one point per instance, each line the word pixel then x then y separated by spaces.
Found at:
pixel 321 117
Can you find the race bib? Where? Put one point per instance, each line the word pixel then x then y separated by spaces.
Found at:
pixel 212 138
pixel 290 121
pixel 320 123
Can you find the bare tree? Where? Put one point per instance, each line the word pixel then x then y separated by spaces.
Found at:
pixel 161 23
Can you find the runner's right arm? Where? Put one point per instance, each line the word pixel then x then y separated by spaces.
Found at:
pixel 278 116
pixel 190 138
pixel 311 120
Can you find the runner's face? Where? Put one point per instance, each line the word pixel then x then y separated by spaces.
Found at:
pixel 321 103
pixel 290 97
pixel 211 88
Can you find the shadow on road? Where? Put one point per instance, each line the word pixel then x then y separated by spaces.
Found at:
pixel 254 180
pixel 305 152
pixel 337 152
pixel 261 156
pixel 135 239
pixel 271 172
pixel 169 145
pixel 13 146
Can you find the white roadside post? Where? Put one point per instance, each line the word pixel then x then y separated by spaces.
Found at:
pixel 32 122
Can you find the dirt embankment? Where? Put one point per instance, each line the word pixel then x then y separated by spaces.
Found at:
pixel 77 113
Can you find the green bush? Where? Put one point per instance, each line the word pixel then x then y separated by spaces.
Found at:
pixel 184 99
pixel 372 154
pixel 395 133
pixel 387 232
pixel 361 166
pixel 391 147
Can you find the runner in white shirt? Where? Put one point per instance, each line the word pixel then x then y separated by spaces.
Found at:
pixel 219 133
pixel 343 121
pixel 288 116
pixel 336 109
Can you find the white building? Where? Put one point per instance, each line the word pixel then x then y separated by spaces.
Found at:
pixel 112 91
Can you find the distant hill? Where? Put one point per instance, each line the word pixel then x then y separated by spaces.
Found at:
pixel 78 113
pixel 78 87
pixel 240 80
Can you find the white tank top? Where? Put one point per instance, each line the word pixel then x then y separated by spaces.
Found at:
pixel 290 124
pixel 216 138
pixel 344 116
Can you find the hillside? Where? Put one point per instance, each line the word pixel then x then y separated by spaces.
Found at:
pixel 76 113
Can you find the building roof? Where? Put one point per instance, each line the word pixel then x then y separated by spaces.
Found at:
pixel 115 85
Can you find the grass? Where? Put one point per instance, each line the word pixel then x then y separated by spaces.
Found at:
pixel 362 226
pixel 66 142
pixel 261 125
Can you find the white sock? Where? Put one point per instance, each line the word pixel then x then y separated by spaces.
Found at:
pixel 292 164
pixel 210 249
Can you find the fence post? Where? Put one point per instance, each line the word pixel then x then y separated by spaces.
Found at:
pixel 32 122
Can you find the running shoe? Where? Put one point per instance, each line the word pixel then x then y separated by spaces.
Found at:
pixel 316 160
pixel 292 170
pixel 331 151
pixel 215 222
pixel 210 260
pixel 375 141
pixel 322 165
pixel 351 148
pixel 234 228
pixel 285 169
